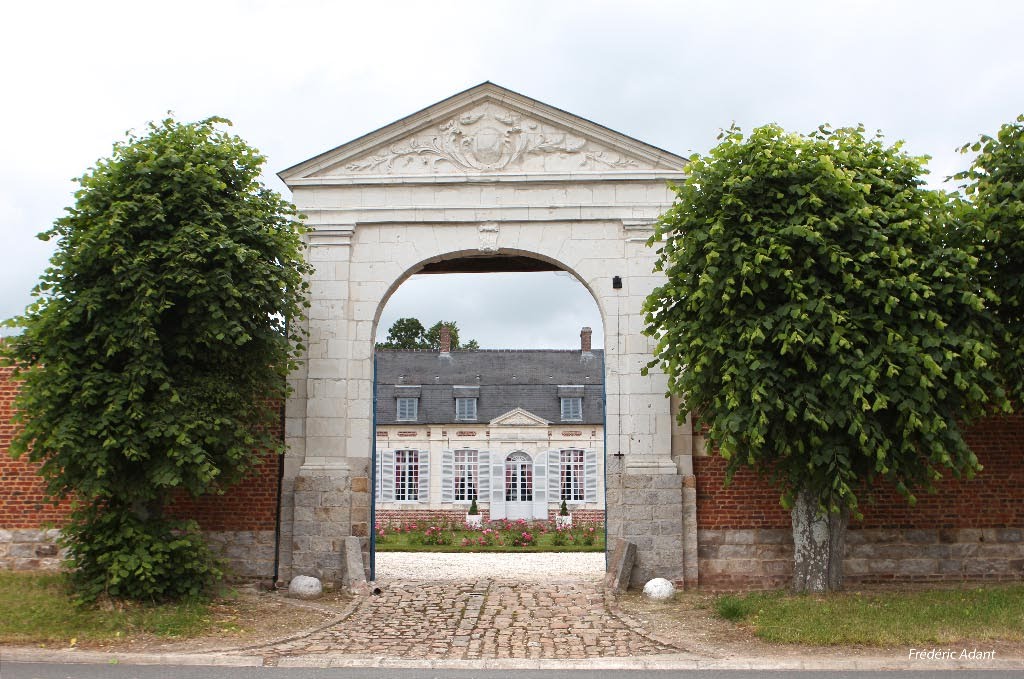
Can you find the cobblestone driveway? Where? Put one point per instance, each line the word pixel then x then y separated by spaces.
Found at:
pixel 483 619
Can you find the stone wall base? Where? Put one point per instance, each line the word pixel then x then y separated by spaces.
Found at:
pixel 763 558
pixel 647 510
pixel 248 554
pixel 30 549
pixel 327 509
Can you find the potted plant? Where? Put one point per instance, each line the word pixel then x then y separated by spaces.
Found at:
pixel 564 518
pixel 473 518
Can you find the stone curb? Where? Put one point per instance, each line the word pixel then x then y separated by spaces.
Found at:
pixel 624 663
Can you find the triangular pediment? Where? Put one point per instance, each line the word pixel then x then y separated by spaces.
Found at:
pixel 485 130
pixel 519 418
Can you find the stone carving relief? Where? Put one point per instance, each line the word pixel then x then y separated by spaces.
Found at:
pixel 489 138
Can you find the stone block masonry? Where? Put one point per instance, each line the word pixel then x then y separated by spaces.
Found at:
pixel 646 509
pixel 327 509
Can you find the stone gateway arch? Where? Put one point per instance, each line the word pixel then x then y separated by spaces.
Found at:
pixel 486 180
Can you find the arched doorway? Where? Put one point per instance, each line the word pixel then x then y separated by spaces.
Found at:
pixel 551 188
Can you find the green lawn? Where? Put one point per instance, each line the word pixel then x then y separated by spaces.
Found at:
pixel 37 608
pixel 501 536
pixel 882 618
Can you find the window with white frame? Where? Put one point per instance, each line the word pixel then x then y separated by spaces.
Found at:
pixel 407 475
pixel 407 409
pixel 465 409
pixel 467 464
pixel 571 476
pixel 572 409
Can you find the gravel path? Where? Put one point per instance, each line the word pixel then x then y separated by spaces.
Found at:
pixel 530 567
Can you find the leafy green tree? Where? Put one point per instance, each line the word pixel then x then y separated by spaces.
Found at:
pixel 992 228
pixel 813 321
pixel 409 333
pixel 159 338
pixel 405 333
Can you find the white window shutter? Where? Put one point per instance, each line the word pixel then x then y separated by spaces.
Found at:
pixel 540 487
pixel 483 476
pixel 497 503
pixel 424 486
pixel 387 476
pixel 447 476
pixel 555 476
pixel 590 475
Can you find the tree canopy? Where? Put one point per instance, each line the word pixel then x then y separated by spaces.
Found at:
pixel 992 229
pixel 157 347
pixel 409 333
pixel 814 321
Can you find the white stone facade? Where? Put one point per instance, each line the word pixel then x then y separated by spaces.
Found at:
pixel 481 454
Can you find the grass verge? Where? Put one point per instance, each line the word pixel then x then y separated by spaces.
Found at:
pixel 882 618
pixel 38 608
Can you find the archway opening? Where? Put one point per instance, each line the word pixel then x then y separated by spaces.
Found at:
pixel 502 413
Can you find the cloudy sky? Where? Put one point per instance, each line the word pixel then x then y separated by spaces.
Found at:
pixel 299 78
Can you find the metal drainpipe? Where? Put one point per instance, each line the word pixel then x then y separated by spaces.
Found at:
pixel 277 509
pixel 604 434
pixel 373 476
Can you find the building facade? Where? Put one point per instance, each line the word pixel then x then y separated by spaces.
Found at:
pixel 518 431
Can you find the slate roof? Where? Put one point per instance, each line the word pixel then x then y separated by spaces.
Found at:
pixel 505 379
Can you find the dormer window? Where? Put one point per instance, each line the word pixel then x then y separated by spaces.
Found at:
pixel 465 403
pixel 572 409
pixel 465 409
pixel 407 409
pixel 407 402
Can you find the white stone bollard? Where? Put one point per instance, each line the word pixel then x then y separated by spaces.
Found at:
pixel 305 587
pixel 659 589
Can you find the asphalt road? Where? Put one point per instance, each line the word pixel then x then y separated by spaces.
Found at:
pixel 18 670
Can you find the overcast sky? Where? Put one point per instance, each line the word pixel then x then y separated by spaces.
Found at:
pixel 299 78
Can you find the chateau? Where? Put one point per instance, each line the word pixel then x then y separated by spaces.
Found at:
pixel 518 431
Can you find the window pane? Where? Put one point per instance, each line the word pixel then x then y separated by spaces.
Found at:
pixel 572 409
pixel 407 408
pixel 571 476
pixel 465 409
pixel 407 475
pixel 466 471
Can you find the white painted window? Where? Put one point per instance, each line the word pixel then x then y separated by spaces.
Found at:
pixel 407 475
pixel 571 476
pixel 572 409
pixel 407 409
pixel 467 471
pixel 465 409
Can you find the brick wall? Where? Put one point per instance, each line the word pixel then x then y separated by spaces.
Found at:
pixel 968 529
pixel 993 499
pixel 241 521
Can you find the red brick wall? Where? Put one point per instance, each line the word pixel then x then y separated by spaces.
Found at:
pixel 22 504
pixel 249 506
pixel 993 499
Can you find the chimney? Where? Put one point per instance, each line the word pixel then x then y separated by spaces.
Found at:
pixel 446 339
pixel 585 335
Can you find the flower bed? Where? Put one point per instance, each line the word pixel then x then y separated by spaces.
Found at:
pixel 494 536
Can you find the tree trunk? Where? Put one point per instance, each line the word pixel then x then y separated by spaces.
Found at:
pixel 818 545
